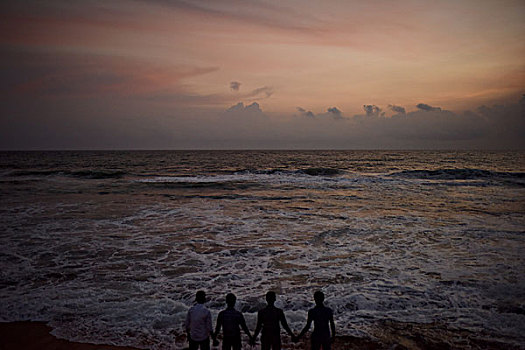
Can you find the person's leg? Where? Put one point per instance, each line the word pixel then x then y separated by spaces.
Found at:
pixel 316 344
pixel 236 343
pixel 276 343
pixel 231 343
pixel 265 345
pixel 327 344
pixel 205 344
pixel 193 345
pixel 266 342
pixel 226 344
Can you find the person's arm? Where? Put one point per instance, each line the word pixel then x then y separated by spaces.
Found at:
pixel 332 326
pixel 307 326
pixel 258 327
pixel 245 328
pixel 285 324
pixel 209 324
pixel 187 324
pixel 218 325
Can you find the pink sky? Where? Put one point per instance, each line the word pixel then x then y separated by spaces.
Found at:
pixel 173 59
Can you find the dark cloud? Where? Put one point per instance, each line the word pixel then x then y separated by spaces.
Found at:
pixel 397 109
pixel 253 108
pixel 372 110
pixel 123 122
pixel 305 113
pixel 334 111
pixel 235 85
pixel 425 107
pixel 331 113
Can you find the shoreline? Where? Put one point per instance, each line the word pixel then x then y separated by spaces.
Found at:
pixel 29 335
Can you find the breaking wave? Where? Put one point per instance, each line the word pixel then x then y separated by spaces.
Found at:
pixel 458 174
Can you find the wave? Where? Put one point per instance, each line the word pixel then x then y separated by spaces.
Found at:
pixel 458 174
pixel 84 174
pixel 239 181
pixel 245 175
pixel 321 171
pixel 313 171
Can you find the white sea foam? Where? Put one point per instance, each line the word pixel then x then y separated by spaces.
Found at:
pixel 123 267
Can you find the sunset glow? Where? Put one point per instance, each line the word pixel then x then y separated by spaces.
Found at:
pixel 97 63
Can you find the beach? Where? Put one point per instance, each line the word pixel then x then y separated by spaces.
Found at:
pixel 36 336
pixel 419 249
pixel 369 151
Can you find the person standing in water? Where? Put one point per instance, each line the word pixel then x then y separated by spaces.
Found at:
pixel 321 316
pixel 230 320
pixel 269 320
pixel 198 324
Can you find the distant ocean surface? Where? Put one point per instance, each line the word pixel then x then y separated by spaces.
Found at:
pixel 110 247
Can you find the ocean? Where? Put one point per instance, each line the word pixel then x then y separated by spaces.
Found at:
pixel 110 247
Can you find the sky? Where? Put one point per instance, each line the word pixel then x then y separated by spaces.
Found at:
pixel 253 74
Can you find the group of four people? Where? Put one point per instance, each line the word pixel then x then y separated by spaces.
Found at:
pixel 199 326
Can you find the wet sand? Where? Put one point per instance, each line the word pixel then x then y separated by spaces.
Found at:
pixel 36 336
pixel 389 335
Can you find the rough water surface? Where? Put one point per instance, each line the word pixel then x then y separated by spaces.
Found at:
pixel 110 247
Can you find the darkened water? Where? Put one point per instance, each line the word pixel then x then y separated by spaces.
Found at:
pixel 111 246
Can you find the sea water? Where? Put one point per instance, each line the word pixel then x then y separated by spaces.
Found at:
pixel 110 247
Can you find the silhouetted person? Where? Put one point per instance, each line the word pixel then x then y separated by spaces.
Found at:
pixel 230 320
pixel 268 319
pixel 198 324
pixel 321 316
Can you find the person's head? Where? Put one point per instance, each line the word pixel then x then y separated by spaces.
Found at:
pixel 231 299
pixel 319 298
pixel 200 297
pixel 270 298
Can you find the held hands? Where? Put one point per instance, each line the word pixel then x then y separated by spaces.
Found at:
pixel 214 337
pixel 252 341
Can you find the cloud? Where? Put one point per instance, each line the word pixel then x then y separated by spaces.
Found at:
pixel 240 107
pixel 334 112
pixel 241 114
pixel 129 123
pixel 331 113
pixel 425 107
pixel 397 109
pixel 235 85
pixel 42 74
pixel 265 14
pixel 305 113
pixel 372 110
pixel 264 92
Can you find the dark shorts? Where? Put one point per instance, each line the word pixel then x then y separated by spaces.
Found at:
pixel 231 343
pixel 202 345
